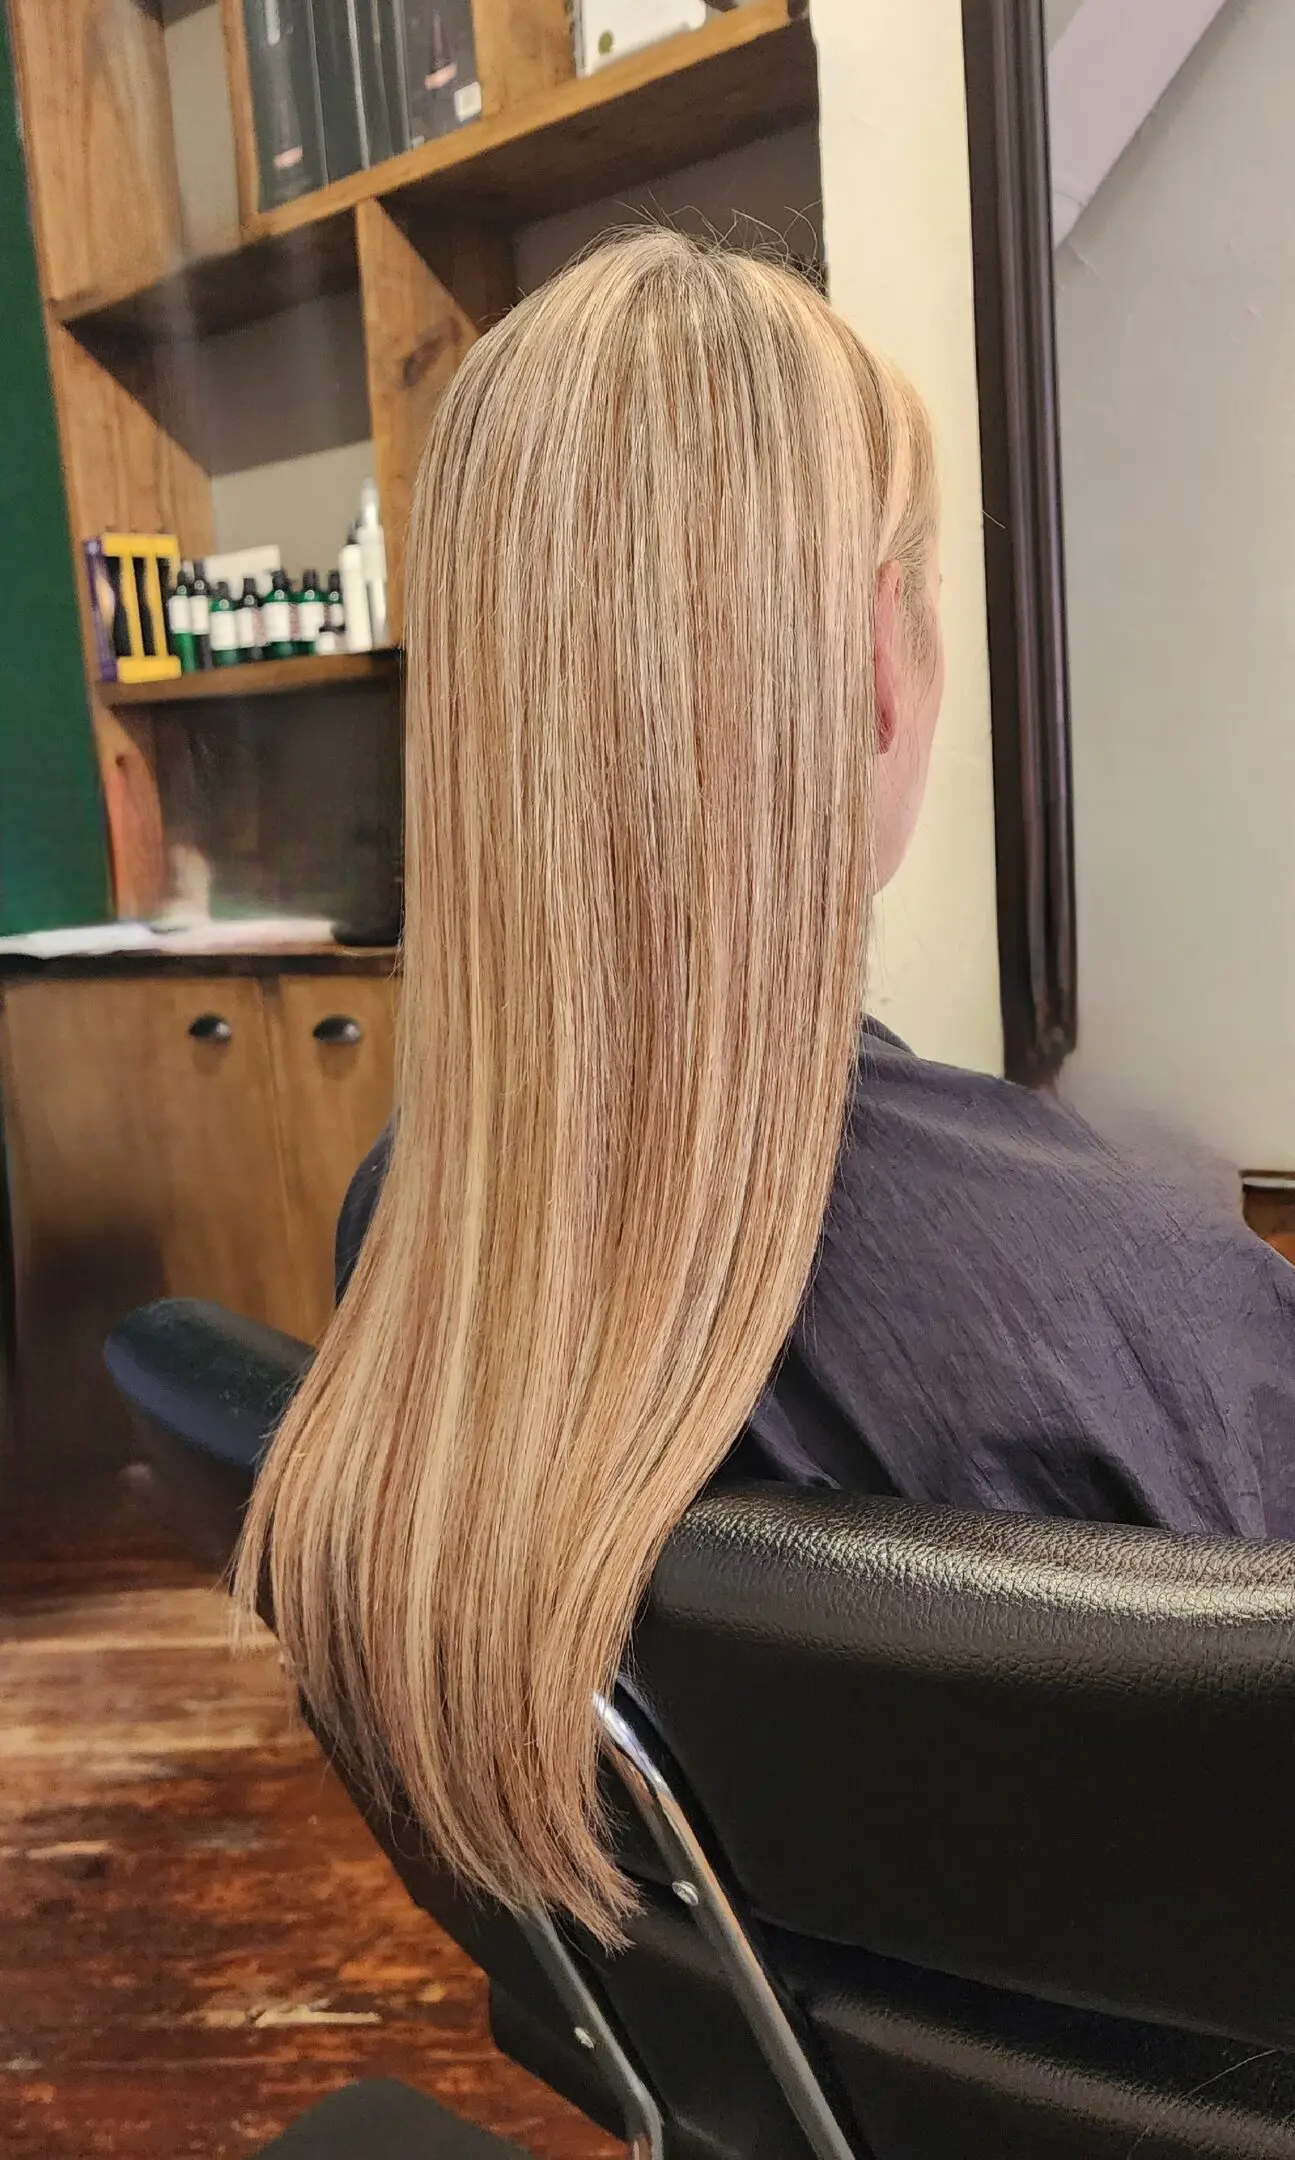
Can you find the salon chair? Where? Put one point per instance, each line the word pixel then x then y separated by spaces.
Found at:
pixel 959 1837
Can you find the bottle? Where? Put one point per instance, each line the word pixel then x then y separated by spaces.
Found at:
pixel 200 614
pixel 312 612
pixel 355 597
pixel 373 561
pixel 179 623
pixel 152 635
pixel 278 642
pixel 248 616
pixel 336 618
pixel 223 628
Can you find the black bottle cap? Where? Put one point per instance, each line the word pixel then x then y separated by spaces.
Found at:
pixel 310 577
pixel 251 591
pixel 223 587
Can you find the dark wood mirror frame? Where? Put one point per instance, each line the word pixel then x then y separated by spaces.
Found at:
pixel 1011 214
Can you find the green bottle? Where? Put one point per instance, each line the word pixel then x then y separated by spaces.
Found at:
pixel 247 616
pixel 200 614
pixel 224 628
pixel 278 620
pixel 312 612
pixel 179 623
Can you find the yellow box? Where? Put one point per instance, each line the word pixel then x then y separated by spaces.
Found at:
pixel 152 549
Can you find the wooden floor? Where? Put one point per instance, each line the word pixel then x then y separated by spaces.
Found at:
pixel 198 1938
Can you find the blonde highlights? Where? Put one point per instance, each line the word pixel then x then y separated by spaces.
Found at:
pixel 640 727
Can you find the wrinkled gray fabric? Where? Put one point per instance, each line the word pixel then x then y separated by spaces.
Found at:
pixel 1004 1315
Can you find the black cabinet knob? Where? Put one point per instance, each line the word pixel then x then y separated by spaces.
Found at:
pixel 211 1028
pixel 338 1029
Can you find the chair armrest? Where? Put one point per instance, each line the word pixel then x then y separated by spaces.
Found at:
pixel 209 1378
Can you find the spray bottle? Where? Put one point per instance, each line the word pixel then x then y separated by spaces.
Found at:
pixel 373 561
pixel 355 597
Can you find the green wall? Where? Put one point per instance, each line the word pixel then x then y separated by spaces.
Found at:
pixel 52 860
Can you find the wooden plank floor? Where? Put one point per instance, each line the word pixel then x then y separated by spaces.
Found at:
pixel 198 1938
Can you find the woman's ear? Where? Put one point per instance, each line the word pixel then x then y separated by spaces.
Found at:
pixel 888 651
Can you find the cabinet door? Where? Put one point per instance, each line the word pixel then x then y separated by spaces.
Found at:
pixel 333 1041
pixel 144 1161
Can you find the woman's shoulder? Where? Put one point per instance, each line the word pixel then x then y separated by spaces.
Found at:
pixel 998 1283
pixel 977 1148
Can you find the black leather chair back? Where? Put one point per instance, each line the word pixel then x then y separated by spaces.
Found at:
pixel 1003 1806
pixel 1044 1756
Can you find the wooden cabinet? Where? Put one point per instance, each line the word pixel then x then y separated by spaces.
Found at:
pixel 139 1110
pixel 169 1135
pixel 332 1054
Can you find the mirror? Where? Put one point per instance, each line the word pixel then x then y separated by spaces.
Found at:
pixel 1173 163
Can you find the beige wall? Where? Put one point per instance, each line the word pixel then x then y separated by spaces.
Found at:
pixel 897 227
pixel 286 410
pixel 1176 320
pixel 771 191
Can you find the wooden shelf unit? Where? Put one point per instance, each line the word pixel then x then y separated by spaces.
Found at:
pixel 259 678
pixel 743 75
pixel 425 239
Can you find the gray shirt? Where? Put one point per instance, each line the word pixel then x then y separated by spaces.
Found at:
pixel 1004 1315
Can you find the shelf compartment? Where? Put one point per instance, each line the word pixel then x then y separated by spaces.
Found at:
pixel 747 73
pixel 259 678
pixel 241 282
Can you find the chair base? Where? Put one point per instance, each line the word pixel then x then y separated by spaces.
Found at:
pixel 379 2116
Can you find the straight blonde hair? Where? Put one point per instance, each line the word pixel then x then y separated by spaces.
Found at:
pixel 642 563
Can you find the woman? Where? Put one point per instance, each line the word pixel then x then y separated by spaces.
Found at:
pixel 674 668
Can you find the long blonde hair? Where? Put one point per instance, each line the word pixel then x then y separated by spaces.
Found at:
pixel 643 556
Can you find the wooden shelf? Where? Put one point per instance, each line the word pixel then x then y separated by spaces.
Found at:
pixel 425 241
pixel 745 74
pixel 259 678
pixel 239 282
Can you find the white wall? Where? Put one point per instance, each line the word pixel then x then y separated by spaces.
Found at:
pixel 898 234
pixel 1176 331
